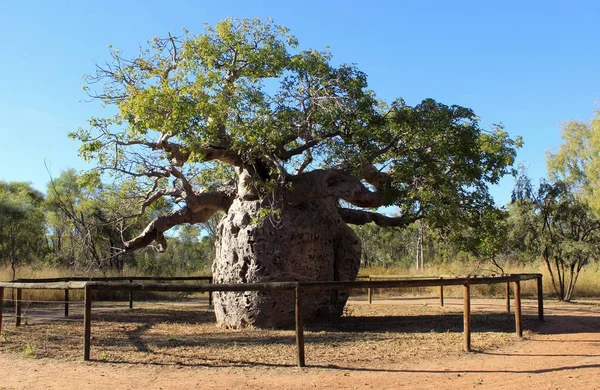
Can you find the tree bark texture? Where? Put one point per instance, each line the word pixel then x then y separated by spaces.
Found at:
pixel 308 242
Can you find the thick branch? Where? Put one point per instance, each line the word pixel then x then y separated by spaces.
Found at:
pixel 155 194
pixel 361 217
pixel 189 193
pixel 383 183
pixel 319 184
pixel 222 154
pixel 376 178
pixel 205 206
pixel 214 200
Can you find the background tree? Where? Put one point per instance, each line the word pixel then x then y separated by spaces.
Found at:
pixel 290 147
pixel 556 225
pixel 572 236
pixel 485 237
pixel 22 228
pixel 577 161
pixel 192 252
pixel 77 223
pixel 523 222
pixel 187 253
pixel 386 247
pixel 64 196
pixel 85 222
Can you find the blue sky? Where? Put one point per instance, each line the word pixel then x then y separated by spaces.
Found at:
pixel 527 64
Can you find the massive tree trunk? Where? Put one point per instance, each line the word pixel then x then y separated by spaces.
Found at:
pixel 295 232
pixel 308 241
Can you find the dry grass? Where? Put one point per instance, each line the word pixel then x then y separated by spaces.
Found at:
pixel 588 284
pixel 75 295
pixel 186 334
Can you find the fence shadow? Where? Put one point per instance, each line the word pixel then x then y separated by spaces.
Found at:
pixel 202 315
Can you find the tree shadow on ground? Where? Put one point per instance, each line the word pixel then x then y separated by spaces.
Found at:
pixel 221 363
pixel 423 323
pixel 346 329
pixel 137 329
pixel 491 371
pixel 569 324
pixel 452 322
pixel 357 328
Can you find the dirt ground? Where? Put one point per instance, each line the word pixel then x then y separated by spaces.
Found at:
pixel 563 352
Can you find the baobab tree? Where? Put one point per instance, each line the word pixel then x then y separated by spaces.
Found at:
pixel 290 147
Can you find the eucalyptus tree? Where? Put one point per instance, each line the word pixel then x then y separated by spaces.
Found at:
pixel 557 225
pixel 576 164
pixel 485 237
pixel 386 247
pixel 570 236
pixel 22 227
pixel 290 146
pixel 577 160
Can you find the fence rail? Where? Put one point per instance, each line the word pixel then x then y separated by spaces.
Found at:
pixel 115 278
pixel 369 282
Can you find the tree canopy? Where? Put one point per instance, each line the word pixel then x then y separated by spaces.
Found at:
pixel 577 161
pixel 557 224
pixel 22 230
pixel 240 111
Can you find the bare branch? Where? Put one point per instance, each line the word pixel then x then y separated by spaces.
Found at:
pixel 155 174
pixel 287 154
pixel 307 161
pixel 178 154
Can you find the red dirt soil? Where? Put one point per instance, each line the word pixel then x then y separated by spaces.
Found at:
pixel 563 352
